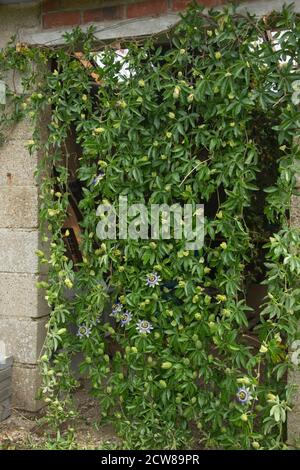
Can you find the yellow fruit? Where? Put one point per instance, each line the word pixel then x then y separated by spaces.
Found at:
pixel 176 92
pixel 69 283
pixel 255 445
pixel 263 349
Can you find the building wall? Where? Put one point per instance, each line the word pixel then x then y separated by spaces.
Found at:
pixel 23 311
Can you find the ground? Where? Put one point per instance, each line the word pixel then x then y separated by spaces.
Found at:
pixel 23 430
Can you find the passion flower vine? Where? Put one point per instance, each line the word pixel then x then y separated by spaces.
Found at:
pixel 210 117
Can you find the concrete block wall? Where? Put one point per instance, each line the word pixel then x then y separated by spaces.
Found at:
pixel 294 374
pixel 23 310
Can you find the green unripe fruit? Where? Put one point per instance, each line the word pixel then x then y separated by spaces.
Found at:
pixel 193 400
pixel 198 316
pixel 106 357
pixel 166 365
pixel 163 384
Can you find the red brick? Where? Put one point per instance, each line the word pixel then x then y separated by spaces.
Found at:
pixel 102 14
pixel 63 18
pixel 50 5
pixel 179 5
pixel 147 8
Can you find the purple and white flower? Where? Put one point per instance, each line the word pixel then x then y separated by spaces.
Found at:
pixel 116 308
pixel 83 330
pixel 152 280
pixel 96 321
pixel 243 395
pixel 144 326
pixel 125 318
pixel 99 177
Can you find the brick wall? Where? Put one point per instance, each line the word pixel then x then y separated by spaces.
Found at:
pixel 60 13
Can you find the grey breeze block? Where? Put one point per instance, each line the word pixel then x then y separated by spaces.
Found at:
pixel 5 388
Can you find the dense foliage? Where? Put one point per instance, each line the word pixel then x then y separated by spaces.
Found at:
pixel 209 116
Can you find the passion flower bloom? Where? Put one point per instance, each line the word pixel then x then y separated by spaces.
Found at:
pixel 83 330
pixel 126 317
pixel 96 321
pixel 152 280
pixel 116 308
pixel 144 326
pixel 243 395
pixel 98 178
